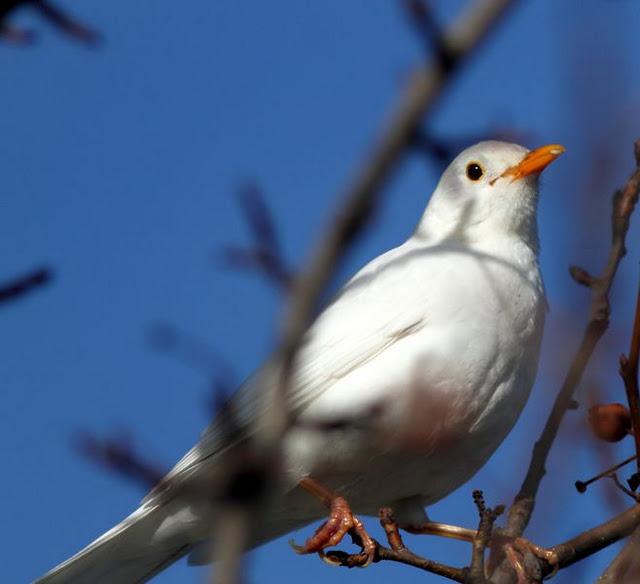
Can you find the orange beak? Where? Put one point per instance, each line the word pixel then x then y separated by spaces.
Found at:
pixel 534 162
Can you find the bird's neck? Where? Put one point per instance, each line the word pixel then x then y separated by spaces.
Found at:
pixel 434 230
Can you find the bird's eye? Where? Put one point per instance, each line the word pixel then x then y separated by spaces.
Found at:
pixel 474 171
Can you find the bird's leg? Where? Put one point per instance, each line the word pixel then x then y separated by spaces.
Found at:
pixel 442 530
pixel 519 544
pixel 340 522
pixel 548 555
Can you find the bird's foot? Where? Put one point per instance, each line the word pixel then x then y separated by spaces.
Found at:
pixel 441 530
pixel 515 550
pixel 525 546
pixel 340 522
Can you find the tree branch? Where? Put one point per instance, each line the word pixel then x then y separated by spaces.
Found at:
pixel 398 552
pixel 360 200
pixel 58 17
pixel 629 374
pixel 594 540
pixel 25 284
pixel 265 254
pixel 626 560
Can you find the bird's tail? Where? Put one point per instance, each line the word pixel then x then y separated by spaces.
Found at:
pixel 145 543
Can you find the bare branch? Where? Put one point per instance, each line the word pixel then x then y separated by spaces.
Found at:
pixel 626 561
pixel 408 558
pixel 594 540
pixel 429 31
pixel 398 552
pixel 25 284
pixel 629 374
pixel 581 486
pixel 66 23
pixel 480 542
pixel 621 487
pixel 265 255
pixel 120 457
pixel 59 18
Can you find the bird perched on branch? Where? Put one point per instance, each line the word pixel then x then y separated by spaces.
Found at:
pixel 403 388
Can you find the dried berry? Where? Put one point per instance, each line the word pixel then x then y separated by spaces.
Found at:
pixel 610 422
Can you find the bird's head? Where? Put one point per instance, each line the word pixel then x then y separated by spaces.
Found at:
pixel 489 190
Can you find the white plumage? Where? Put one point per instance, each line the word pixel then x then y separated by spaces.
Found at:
pixel 426 358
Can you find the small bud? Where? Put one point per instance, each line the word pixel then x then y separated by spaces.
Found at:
pixel 610 422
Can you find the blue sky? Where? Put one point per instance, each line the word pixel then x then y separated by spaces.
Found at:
pixel 119 167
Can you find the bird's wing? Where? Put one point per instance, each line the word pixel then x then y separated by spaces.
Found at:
pixel 381 304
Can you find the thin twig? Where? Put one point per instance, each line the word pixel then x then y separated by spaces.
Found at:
pixel 265 255
pixel 429 31
pixel 625 490
pixel 398 552
pixel 626 560
pixel 391 529
pixel 119 456
pixel 25 284
pixel 581 486
pixel 408 558
pixel 480 542
pixel 59 18
pixel 624 202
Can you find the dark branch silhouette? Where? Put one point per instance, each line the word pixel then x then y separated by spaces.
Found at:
pixel 629 374
pixel 265 255
pixel 118 455
pixel 22 285
pixel 429 32
pixel 56 16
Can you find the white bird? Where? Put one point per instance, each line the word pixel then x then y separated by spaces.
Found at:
pixel 404 386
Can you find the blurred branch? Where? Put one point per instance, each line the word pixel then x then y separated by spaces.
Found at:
pixel 265 255
pixel 624 202
pixel 200 356
pixel 120 457
pixel 629 374
pixel 360 200
pixel 624 564
pixel 622 488
pixel 56 16
pixel 429 31
pixel 25 284
pixel 461 40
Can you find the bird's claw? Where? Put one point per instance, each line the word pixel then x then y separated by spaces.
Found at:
pixel 340 522
pixel 524 546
